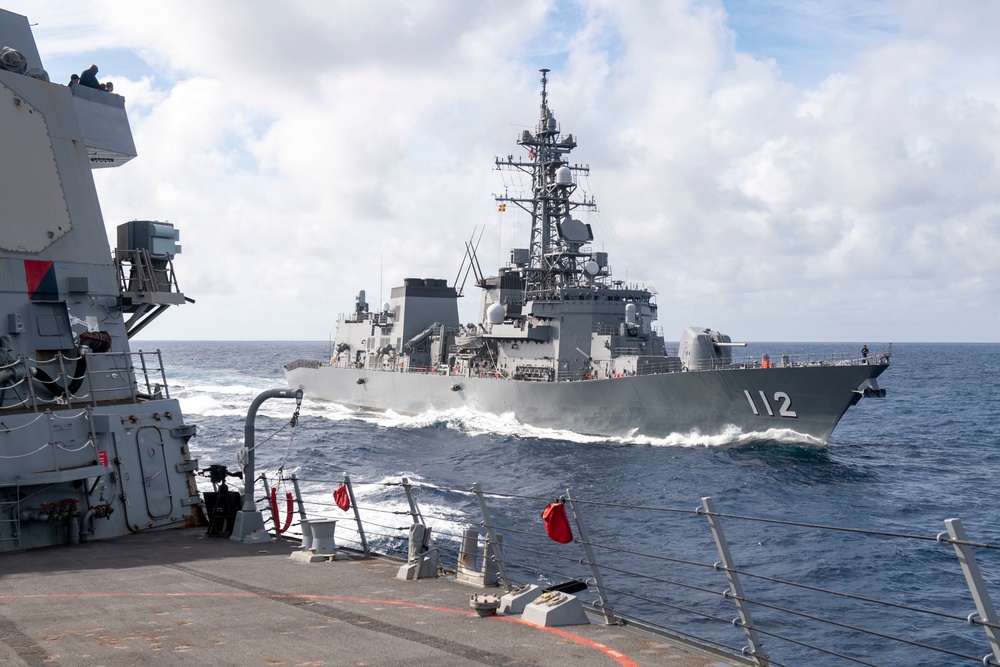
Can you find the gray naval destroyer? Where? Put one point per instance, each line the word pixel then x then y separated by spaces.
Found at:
pixel 91 444
pixel 560 344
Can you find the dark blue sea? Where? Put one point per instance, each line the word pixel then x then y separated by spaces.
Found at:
pixel 927 452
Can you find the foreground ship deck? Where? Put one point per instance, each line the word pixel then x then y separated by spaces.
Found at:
pixel 176 596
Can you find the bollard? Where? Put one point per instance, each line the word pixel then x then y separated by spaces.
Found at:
pixel 322 537
pixel 466 572
pixel 307 536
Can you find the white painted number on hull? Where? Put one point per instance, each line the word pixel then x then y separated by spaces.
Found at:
pixel 786 404
pixel 785 409
pixel 767 405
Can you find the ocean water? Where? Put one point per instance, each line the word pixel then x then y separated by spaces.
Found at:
pixel 927 452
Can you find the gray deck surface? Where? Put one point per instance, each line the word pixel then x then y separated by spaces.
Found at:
pixel 178 597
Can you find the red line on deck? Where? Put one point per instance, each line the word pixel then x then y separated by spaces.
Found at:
pixel 617 656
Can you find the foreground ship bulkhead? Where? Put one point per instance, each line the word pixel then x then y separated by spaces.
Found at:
pixel 91 445
pixel 560 344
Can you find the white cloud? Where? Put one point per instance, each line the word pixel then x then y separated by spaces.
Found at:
pixel 307 150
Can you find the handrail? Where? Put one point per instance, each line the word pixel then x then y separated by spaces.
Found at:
pixel 89 378
pixel 141 277
pixel 620 356
pixel 686 594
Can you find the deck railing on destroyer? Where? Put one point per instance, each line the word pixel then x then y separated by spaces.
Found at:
pixel 649 366
pixel 732 585
pixel 881 355
pixel 138 273
pixel 88 378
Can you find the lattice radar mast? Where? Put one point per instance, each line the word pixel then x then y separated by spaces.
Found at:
pixel 556 256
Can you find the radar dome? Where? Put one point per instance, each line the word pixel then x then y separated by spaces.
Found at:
pixel 385 307
pixel 592 268
pixel 495 314
pixel 564 176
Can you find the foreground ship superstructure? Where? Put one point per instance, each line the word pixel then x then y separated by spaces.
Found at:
pixel 91 445
pixel 561 344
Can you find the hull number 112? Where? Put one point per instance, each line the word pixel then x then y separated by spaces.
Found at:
pixel 784 404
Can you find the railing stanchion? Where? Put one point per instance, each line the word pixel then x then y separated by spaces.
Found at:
pixel 298 501
pixel 357 516
pixel 977 586
pixel 491 538
pixel 414 510
pixel 270 507
pixel 606 608
pixel 163 375
pixel 145 371
pixel 31 386
pixel 755 648
pixel 52 439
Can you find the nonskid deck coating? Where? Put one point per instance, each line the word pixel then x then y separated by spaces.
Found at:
pixel 178 597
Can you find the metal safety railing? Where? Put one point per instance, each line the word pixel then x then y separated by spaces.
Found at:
pixel 713 585
pixel 624 361
pixel 65 381
pixel 139 273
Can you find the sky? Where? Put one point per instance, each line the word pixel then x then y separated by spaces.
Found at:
pixel 778 171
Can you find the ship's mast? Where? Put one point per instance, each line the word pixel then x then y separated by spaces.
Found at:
pixel 555 257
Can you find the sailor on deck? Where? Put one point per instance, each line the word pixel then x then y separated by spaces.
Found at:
pixel 89 78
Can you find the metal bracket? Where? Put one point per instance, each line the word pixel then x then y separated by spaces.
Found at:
pixel 185 431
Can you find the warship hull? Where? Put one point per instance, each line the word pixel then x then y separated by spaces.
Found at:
pixel 809 400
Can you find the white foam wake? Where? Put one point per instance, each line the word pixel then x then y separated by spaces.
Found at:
pixel 474 423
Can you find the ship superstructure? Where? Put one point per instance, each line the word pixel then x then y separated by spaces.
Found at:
pixel 91 444
pixel 560 343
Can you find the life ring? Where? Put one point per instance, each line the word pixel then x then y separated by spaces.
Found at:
pixel 289 509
